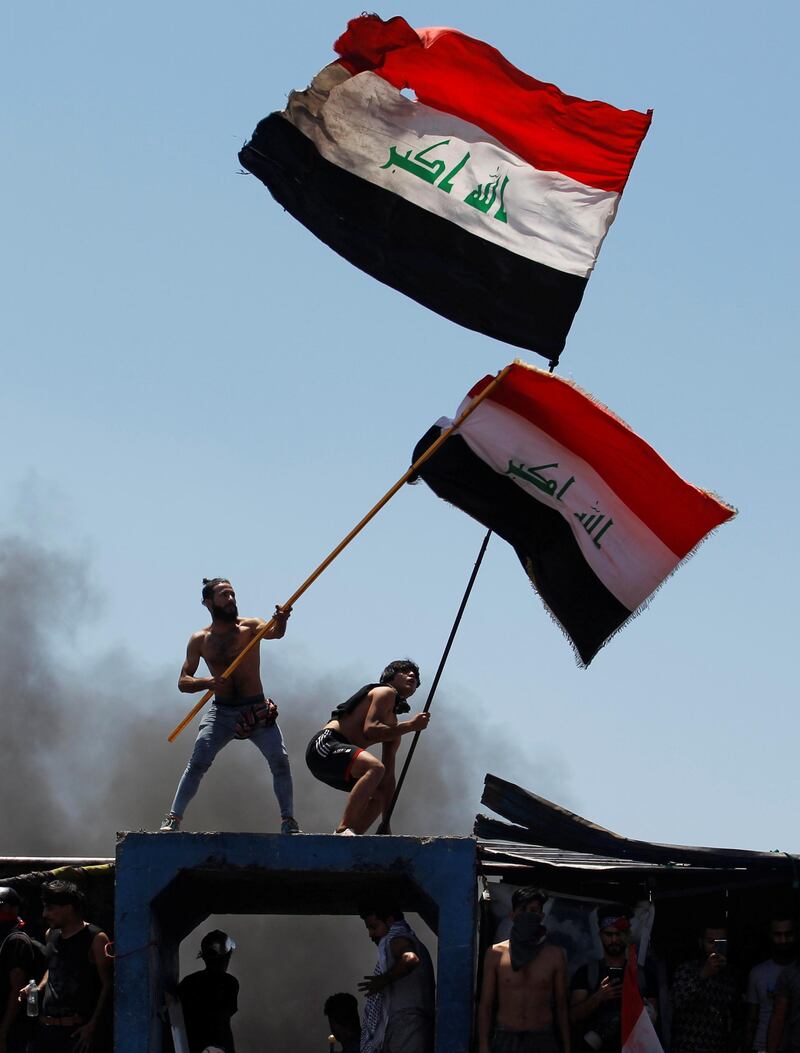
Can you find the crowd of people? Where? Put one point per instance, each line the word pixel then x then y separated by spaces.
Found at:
pixel 527 1005
pixel 527 1001
pixel 55 993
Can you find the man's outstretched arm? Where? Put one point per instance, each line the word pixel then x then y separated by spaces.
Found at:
pixel 381 724
pixel 278 631
pixel 404 961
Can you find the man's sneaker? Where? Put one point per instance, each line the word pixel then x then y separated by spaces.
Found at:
pixel 171 824
pixel 289 826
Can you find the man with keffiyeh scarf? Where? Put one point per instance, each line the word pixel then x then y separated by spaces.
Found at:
pixel 399 1010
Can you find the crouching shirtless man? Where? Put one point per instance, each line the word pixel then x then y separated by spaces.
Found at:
pixel 527 976
pixel 337 755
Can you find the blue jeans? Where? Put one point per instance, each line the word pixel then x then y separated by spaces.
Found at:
pixel 216 730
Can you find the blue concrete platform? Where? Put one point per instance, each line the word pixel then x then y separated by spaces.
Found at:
pixel 168 884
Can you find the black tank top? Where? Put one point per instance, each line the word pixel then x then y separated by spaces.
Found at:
pixel 344 709
pixel 73 983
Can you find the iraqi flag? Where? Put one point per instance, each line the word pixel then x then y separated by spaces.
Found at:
pixel 596 517
pixel 485 198
pixel 638 1034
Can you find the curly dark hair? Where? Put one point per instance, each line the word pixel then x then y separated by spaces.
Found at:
pixel 63 893
pixel 402 665
pixel 381 909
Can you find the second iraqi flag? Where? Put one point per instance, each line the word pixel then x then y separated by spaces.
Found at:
pixel 597 518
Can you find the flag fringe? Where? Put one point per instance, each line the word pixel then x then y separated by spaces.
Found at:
pixel 634 614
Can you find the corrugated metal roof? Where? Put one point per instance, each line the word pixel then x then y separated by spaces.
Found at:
pixel 577 842
pixel 525 855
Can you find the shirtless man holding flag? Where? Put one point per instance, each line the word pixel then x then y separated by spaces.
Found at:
pixel 240 709
pixel 338 756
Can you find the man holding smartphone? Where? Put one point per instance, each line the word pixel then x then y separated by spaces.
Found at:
pixel 706 1008
pixel 596 989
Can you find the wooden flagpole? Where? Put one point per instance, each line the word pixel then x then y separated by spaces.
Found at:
pixel 342 545
pixel 384 826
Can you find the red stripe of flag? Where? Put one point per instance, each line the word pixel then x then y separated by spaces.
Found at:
pixel 592 142
pixel 676 511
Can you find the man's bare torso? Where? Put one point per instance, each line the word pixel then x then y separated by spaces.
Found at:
pixel 218 650
pixel 525 998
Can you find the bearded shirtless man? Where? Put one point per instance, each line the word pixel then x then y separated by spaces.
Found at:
pixel 337 755
pixel 239 709
pixel 527 976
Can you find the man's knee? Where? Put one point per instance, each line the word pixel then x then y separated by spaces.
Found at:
pixel 198 765
pixel 375 772
pixel 279 766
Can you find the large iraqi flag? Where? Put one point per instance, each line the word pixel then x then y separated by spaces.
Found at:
pixel 486 197
pixel 597 518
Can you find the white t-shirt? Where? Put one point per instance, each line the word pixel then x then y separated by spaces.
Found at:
pixel 761 991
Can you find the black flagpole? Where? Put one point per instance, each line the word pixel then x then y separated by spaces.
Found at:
pixel 382 828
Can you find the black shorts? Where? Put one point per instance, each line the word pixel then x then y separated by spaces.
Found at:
pixel 329 758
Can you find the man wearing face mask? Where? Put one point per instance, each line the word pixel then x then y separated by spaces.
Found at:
pixel 596 992
pixel 763 979
pixel 527 977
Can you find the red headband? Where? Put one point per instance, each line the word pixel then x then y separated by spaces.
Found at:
pixel 620 923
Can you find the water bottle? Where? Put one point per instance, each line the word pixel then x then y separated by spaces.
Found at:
pixel 32 999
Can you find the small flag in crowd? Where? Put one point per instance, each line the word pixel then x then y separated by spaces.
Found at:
pixel 637 1034
pixel 596 517
pixel 486 197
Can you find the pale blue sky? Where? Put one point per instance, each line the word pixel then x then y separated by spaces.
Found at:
pixel 199 387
